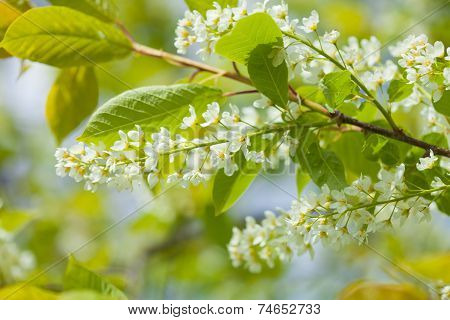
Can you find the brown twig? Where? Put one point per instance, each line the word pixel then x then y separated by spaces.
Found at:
pixel 236 93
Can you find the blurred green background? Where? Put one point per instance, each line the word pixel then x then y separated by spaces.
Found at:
pixel 174 247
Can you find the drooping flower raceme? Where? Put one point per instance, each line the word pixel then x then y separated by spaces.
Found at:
pixel 15 264
pixel 172 158
pixel 332 217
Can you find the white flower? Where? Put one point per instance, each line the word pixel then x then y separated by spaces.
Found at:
pixel 254 156
pixel 221 158
pixel 446 74
pixel 225 21
pixel 436 50
pixel 151 160
pixel 152 179
pixel 310 23
pixel 195 177
pixel 427 162
pixel 411 75
pixel 390 182
pixel 371 50
pixel 233 118
pixel 445 293
pixel 240 11
pixel 279 12
pixel 162 141
pixel 213 15
pixel 237 139
pixel 191 120
pixel 211 115
pixel 262 103
pixel 331 37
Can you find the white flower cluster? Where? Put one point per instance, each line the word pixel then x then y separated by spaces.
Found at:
pixel 14 263
pixel 427 162
pixel 333 217
pixel 420 61
pixel 445 293
pixel 174 159
pixel 195 28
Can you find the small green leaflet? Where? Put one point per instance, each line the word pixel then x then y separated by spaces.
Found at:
pixel 338 87
pixel 78 277
pixel 302 179
pixel 443 105
pixel 311 92
pixel 248 33
pixel 72 98
pixel 204 5
pixel 399 90
pixel 269 80
pixel 64 37
pixel 149 107
pixel 102 9
pixel 228 189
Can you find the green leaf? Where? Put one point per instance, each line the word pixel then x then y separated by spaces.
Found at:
pixel 443 105
pixel 269 80
pixel 349 149
pixel 378 291
pixel 349 109
pixel 102 9
pixel 338 87
pixel 249 32
pixel 149 107
pixel 367 112
pixel 82 294
pixel 78 277
pixel 313 93
pixel 204 5
pixel 25 292
pixel 72 98
pixel 378 147
pixel 302 179
pixel 64 37
pixel 399 90
pixel 434 267
pixel 325 167
pixel 10 10
pixel 8 13
pixel 14 221
pixel 228 189
pixel 436 138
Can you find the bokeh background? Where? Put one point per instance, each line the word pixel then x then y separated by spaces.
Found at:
pixel 174 247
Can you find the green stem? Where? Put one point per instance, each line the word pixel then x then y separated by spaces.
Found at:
pixel 377 104
pixel 377 203
pixel 284 127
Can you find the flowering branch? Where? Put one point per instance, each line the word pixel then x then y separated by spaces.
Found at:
pixel 385 113
pixel 333 217
pixel 367 127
